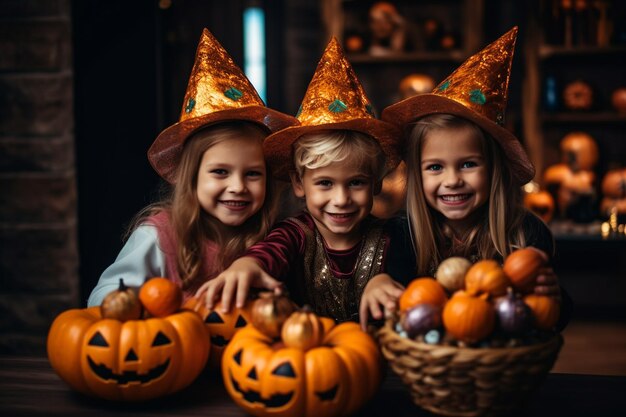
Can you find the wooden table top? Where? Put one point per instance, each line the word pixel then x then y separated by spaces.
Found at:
pixel 29 387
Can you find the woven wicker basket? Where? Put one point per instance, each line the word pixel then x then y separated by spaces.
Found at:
pixel 455 381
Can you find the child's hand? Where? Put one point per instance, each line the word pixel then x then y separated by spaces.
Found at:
pixel 547 283
pixel 236 281
pixel 383 291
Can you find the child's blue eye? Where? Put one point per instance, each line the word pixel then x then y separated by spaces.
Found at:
pixel 357 183
pixel 469 164
pixel 219 171
pixel 324 183
pixel 254 174
pixel 434 167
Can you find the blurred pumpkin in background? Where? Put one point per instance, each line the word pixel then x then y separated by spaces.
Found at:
pixel 541 203
pixel 392 197
pixel 579 151
pixel 614 183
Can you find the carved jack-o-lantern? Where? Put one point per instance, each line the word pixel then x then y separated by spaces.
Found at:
pixel 266 378
pixel 220 326
pixel 128 361
pixel 579 151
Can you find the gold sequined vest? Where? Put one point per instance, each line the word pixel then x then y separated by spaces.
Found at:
pixel 335 297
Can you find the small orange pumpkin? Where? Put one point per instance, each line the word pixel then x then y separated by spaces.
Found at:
pixel 160 296
pixel 486 276
pixel 469 318
pixel 545 310
pixel 556 174
pixel 392 196
pixel 614 183
pixel 422 290
pixel 303 330
pixel 522 267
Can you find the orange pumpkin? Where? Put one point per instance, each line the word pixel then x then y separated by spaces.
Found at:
pixel 469 318
pixel 579 151
pixel 127 361
pixel 545 311
pixel 422 290
pixel 614 183
pixel 160 296
pixel 486 276
pixel 556 174
pixel 220 326
pixel 335 378
pixel 522 267
pixel 541 203
pixel 121 304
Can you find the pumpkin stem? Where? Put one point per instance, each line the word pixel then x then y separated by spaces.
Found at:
pixel 122 286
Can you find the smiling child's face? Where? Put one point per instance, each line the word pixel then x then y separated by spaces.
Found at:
pixel 231 180
pixel 455 174
pixel 338 197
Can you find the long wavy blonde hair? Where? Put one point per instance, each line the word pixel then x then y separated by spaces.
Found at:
pixel 191 225
pixel 498 230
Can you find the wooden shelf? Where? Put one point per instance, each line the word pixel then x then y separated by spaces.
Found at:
pixel 455 56
pixel 591 117
pixel 554 51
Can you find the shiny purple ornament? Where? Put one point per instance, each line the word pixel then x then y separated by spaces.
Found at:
pixel 514 315
pixel 421 318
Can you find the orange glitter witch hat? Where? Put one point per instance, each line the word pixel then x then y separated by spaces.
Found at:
pixel 217 91
pixel 477 91
pixel 334 100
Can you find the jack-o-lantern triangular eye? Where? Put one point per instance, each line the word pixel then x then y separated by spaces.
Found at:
pixel 252 374
pixel 284 369
pixel 237 356
pixel 160 339
pixel 241 322
pixel 214 317
pixel 98 340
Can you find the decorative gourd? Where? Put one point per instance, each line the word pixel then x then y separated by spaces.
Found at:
pixel 522 267
pixel 121 304
pixel 512 313
pixel 545 310
pixel 336 378
pixel 303 330
pixel 131 361
pixel 614 183
pixel 541 203
pixel 486 276
pixel 579 151
pixel 451 273
pixel 220 326
pixel 469 318
pixel 420 319
pixel 422 290
pixel 160 296
pixel 270 311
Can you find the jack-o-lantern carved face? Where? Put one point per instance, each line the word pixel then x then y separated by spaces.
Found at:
pixel 221 326
pixel 132 360
pixel 266 378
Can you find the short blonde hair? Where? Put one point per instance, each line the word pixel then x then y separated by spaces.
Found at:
pixel 320 149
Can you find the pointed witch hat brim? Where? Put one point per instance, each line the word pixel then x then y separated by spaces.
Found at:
pixel 217 91
pixel 477 91
pixel 334 100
